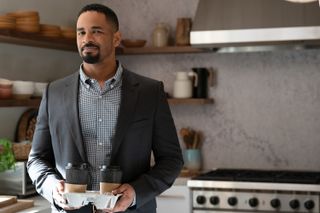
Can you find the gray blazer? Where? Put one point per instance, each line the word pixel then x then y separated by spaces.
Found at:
pixel 144 124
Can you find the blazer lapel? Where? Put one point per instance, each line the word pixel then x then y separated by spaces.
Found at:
pixel 129 95
pixel 72 113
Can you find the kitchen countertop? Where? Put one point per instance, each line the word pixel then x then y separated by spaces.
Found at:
pixel 41 205
pixel 181 181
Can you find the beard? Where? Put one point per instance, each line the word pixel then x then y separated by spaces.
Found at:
pixel 89 57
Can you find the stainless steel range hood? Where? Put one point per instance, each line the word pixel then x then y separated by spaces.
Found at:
pixel 249 25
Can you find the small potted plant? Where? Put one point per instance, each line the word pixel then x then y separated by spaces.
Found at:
pixel 7 159
pixel 192 153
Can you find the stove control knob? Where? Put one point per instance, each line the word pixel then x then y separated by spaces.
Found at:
pixel 232 201
pixel 309 204
pixel 253 202
pixel 275 203
pixel 201 199
pixel 214 200
pixel 294 204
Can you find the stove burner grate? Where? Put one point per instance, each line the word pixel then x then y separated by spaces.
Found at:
pixel 273 176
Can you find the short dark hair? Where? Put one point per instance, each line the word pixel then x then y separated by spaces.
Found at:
pixel 110 15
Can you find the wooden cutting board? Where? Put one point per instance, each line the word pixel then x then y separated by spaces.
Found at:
pixel 18 206
pixel 7 200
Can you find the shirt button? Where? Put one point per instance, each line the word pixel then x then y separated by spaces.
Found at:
pixel 100 96
pixel 111 86
pixel 87 86
pixel 92 81
pixel 100 120
pixel 100 144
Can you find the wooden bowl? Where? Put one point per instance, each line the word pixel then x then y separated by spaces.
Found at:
pixel 133 43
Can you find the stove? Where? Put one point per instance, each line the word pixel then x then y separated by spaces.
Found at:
pixel 247 191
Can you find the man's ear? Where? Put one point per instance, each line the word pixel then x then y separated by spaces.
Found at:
pixel 116 39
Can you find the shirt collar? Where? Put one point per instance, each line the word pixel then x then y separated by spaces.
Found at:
pixel 115 79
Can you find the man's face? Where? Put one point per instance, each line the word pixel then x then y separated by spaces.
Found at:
pixel 96 38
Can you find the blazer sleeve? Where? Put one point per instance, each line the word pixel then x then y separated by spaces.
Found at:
pixel 40 165
pixel 167 154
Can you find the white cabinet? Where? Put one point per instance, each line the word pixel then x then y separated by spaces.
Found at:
pixel 176 199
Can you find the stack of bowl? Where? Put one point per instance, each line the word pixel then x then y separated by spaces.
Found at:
pixel 26 21
pixel 22 89
pixel 7 22
pixel 68 32
pixel 52 31
pixel 5 88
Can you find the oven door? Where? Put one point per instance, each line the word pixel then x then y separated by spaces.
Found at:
pixel 218 211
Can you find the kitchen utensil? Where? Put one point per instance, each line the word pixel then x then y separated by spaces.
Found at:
pixel 188 136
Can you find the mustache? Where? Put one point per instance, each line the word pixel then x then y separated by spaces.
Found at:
pixel 89 45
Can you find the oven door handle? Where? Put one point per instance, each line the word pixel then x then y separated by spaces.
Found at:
pixel 215 211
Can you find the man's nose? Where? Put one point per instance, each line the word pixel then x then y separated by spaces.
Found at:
pixel 87 38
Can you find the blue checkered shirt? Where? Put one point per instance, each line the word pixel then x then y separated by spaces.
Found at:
pixel 98 113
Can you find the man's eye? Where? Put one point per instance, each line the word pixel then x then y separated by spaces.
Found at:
pixel 96 31
pixel 81 33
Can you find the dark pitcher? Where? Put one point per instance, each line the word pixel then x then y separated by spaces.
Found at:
pixel 200 89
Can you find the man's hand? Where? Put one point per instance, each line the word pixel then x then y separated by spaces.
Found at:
pixel 58 197
pixel 125 200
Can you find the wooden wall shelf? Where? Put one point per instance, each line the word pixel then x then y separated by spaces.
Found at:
pixel 35 102
pixel 190 101
pixel 32 102
pixel 36 40
pixel 159 50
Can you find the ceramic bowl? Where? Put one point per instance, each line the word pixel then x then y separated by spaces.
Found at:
pixel 39 88
pixel 23 89
pixel 5 82
pixel 5 88
pixel 133 43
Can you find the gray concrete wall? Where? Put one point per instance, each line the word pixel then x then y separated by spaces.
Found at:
pixel 266 111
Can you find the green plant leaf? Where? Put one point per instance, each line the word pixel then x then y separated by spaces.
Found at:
pixel 7 159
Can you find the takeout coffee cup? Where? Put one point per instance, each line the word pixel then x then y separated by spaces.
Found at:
pixel 110 178
pixel 80 188
pixel 76 178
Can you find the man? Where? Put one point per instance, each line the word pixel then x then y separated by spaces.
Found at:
pixel 105 114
